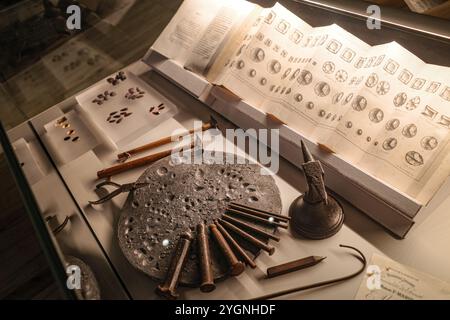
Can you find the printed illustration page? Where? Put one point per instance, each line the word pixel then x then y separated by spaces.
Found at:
pixel 415 140
pixel 197 30
pixel 439 174
pixel 283 94
pixel 394 281
pixel 370 107
pixel 380 108
pixel 269 64
pixel 341 102
pixel 337 72
pixel 238 41
pixel 436 140
pixel 308 109
pixel 286 97
pixel 230 21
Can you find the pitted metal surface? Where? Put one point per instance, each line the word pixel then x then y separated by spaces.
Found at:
pixel 178 197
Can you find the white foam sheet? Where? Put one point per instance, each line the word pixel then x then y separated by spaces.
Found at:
pixel 27 161
pixel 121 118
pixel 69 140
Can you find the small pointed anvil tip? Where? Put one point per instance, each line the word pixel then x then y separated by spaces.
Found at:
pixel 198 141
pixel 307 156
pixel 213 122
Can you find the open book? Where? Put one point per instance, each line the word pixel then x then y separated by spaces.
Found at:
pixel 379 107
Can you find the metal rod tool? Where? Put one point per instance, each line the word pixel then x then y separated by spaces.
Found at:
pixel 168 289
pixel 236 266
pixel 258 212
pixel 266 221
pixel 258 243
pixel 204 254
pixel 236 246
pixel 249 227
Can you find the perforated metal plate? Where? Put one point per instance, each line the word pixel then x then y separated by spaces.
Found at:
pixel 180 196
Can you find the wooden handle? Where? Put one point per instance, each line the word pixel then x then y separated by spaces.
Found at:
pixel 125 155
pixel 148 146
pixel 132 164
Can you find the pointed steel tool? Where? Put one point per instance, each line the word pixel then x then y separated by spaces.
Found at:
pixel 315 215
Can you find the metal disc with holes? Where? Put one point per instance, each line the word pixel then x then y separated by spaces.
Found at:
pixel 180 196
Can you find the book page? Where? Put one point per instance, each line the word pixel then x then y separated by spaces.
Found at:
pixel 269 60
pixel 317 82
pixel 380 108
pixel 371 106
pixel 349 81
pixel 298 91
pixel 415 140
pixel 197 30
pixel 238 41
pixel 287 96
pixel 388 129
pixel 337 72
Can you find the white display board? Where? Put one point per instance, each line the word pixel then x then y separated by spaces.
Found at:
pixel 123 107
pixel 27 161
pixel 69 137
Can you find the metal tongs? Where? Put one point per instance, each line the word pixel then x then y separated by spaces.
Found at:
pixel 127 187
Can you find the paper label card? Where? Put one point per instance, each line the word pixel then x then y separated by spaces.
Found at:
pixel 389 280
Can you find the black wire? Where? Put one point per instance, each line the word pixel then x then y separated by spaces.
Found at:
pixel 361 258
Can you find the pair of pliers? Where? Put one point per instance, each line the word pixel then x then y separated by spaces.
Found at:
pixel 127 187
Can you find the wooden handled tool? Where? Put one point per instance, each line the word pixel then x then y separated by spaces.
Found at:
pixel 105 173
pixel 124 156
pixel 111 171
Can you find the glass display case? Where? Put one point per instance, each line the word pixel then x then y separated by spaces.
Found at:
pixel 56 155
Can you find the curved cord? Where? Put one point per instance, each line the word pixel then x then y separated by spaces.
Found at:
pixel 61 227
pixel 361 258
